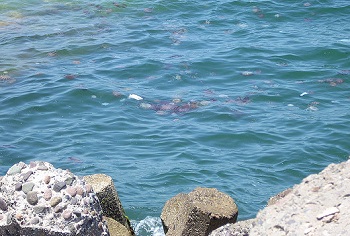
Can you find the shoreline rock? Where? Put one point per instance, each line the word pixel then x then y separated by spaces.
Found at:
pixel 111 205
pixel 32 205
pixel 319 205
pixel 198 212
pixel 37 199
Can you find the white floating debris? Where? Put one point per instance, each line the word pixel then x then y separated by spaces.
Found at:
pixel 136 97
pixel 312 108
pixel 303 94
pixel 247 73
pixel 93 96
pixel 290 105
pixel 105 104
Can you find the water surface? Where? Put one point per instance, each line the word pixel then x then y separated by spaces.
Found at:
pixel 248 97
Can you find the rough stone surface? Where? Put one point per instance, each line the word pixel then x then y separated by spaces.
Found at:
pixel 59 186
pixel 33 210
pixel 3 204
pixel 319 205
pixel 32 197
pixel 105 190
pixel 26 187
pixel 198 213
pixel 116 228
pixel 240 228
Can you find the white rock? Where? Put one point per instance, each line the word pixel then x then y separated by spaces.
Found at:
pixel 327 212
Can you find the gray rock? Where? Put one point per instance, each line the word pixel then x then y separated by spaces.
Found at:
pixel 18 186
pixel 27 175
pixel 34 220
pixel 198 213
pixel 32 164
pixel 69 180
pixel 15 169
pixel 27 187
pixel 42 166
pixel 3 204
pixel 32 197
pixel 77 213
pixel 40 209
pixel 59 186
pixel 74 201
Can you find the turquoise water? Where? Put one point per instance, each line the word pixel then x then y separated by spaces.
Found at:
pixel 248 97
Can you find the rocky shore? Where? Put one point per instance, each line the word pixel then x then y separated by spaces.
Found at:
pixel 38 199
pixel 319 205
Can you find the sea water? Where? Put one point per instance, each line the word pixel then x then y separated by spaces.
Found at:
pixel 248 97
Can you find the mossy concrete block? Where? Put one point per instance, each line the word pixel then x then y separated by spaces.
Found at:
pixel 107 194
pixel 198 213
pixel 116 229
